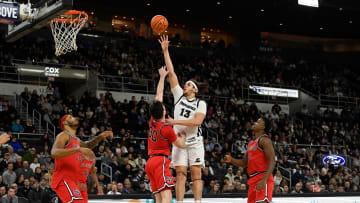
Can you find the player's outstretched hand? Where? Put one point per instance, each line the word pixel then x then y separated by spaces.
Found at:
pixel 164 42
pixel 170 120
pixel 107 134
pixel 163 72
pixel 4 138
pixel 227 158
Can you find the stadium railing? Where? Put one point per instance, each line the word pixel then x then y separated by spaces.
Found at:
pixel 125 84
pixel 106 170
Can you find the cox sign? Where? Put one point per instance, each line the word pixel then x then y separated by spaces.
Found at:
pixel 336 159
pixel 52 72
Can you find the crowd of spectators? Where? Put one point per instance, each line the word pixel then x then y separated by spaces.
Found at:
pixel 27 169
pixel 227 130
pixel 225 71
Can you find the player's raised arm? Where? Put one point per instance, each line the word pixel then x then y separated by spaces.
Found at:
pixel 95 141
pixel 164 41
pixel 237 162
pixel 160 88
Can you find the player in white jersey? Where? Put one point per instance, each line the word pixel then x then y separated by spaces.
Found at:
pixel 189 114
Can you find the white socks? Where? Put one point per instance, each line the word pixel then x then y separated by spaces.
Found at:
pixel 197 201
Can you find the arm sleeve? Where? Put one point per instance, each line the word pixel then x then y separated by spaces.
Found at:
pixel 168 133
pixel 201 108
pixel 177 92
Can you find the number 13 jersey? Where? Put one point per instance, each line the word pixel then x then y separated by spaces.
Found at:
pixel 186 109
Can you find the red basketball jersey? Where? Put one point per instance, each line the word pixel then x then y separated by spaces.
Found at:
pixel 85 167
pixel 161 135
pixel 257 161
pixel 68 166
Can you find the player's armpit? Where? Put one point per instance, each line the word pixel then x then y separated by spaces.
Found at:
pixel 58 151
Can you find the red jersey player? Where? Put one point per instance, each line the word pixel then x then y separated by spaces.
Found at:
pixel 260 160
pixel 87 165
pixel 159 144
pixel 67 163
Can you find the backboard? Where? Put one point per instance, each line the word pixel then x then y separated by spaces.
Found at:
pixel 41 13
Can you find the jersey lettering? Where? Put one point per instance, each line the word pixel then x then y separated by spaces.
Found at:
pixel 187 113
pixel 153 134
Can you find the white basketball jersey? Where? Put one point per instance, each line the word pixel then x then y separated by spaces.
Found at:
pixel 186 109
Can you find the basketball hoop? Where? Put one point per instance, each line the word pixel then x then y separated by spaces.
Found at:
pixel 65 28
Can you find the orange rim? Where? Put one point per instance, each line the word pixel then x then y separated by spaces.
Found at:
pixel 72 12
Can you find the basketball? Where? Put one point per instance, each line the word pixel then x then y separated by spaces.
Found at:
pixel 159 23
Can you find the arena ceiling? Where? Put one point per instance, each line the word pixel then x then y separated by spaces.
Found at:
pixel 333 18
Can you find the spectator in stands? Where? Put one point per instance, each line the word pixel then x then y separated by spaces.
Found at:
pixel 29 156
pixel 29 128
pixel 113 190
pixel 142 189
pixel 297 189
pixel 25 170
pixel 230 175
pixel 35 164
pixel 49 163
pixel 2 191
pixel 9 176
pixel 277 178
pixel 214 143
pixel 35 193
pixel 20 180
pixel 4 162
pixel 15 144
pixel 333 150
pixel 17 127
pixel 276 108
pixel 216 189
pixel 10 197
pixel 128 187
pixel 24 191
pixel 285 190
pixel 12 155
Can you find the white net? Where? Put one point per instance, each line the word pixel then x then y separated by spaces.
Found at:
pixel 65 29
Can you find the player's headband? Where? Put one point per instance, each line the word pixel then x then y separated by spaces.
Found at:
pixel 195 86
pixel 62 121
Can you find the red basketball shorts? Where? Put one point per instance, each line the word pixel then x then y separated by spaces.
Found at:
pixel 158 170
pixel 263 195
pixel 68 191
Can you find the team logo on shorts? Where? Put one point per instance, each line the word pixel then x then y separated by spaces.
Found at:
pixel 197 160
pixel 77 192
pixel 169 180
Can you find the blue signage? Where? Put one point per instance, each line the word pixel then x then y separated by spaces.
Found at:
pixel 9 11
pixel 336 159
